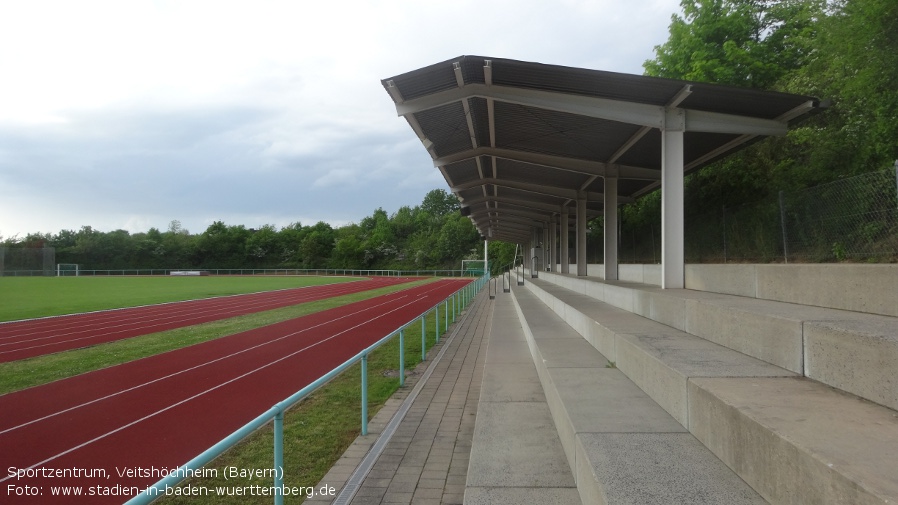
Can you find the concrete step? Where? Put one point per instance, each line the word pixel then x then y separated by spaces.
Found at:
pixel 794 440
pixel 852 351
pixel 620 444
pixel 857 287
pixel 516 455
pixel 798 441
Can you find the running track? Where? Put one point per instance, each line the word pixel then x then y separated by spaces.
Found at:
pixel 36 337
pixel 163 410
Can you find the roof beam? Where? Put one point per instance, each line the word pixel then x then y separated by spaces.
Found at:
pixel 490 104
pixel 513 215
pixel 546 207
pixel 516 220
pixel 523 210
pixel 533 188
pixel 715 122
pixel 600 108
pixel 560 162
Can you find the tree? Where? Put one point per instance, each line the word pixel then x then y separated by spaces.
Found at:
pixel 262 246
pixel 439 203
pixel 317 246
pixel 749 43
pixel 457 238
pixel 855 65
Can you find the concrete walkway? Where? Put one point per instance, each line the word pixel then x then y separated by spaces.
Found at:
pixel 426 459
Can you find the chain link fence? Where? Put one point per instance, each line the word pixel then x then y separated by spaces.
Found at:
pixel 27 261
pixel 853 219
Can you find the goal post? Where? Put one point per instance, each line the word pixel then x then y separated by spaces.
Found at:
pixel 473 268
pixel 67 270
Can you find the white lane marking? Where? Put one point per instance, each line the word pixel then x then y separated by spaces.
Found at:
pixel 132 423
pixel 111 395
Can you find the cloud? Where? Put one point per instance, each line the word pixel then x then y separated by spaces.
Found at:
pixel 131 114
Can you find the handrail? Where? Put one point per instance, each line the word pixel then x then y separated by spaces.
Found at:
pixel 276 412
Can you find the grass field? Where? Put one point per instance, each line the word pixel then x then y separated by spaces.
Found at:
pixel 317 431
pixel 29 297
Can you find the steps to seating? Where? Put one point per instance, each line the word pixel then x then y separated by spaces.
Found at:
pixel 621 445
pixel 516 455
pixel 792 439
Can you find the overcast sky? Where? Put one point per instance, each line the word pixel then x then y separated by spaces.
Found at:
pixel 130 114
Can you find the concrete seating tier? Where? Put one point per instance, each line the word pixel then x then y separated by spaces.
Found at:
pixel 792 439
pixel 852 351
pixel 620 445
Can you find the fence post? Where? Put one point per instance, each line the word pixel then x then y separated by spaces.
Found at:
pixel 446 314
pixel 364 394
pixel 783 224
pixel 436 321
pixel 279 456
pixel 423 338
pixel 896 175
pixel 402 357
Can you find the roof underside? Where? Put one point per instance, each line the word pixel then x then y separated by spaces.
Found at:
pixel 518 142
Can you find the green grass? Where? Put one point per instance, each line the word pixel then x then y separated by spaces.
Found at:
pixel 31 372
pixel 29 297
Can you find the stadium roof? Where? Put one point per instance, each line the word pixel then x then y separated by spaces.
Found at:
pixel 519 142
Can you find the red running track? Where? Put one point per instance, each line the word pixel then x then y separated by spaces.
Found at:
pixel 161 411
pixel 36 337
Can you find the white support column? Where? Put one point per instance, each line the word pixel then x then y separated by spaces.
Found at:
pixel 553 244
pixel 564 248
pixel 581 236
pixel 610 228
pixel 535 250
pixel 672 221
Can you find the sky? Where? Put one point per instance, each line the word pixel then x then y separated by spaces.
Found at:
pixel 129 114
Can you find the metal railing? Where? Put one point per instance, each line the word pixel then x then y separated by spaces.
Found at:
pixel 458 300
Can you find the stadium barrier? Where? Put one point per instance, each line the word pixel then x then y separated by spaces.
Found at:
pixel 275 414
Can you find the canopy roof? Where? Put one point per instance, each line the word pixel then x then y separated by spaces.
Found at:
pixel 517 142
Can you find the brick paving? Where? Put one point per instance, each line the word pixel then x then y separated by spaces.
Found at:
pixel 426 460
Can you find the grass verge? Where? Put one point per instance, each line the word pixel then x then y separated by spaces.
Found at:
pixel 29 297
pixel 31 372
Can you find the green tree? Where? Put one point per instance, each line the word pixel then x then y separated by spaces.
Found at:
pixel 349 250
pixel 749 43
pixel 456 240
pixel 262 246
pixel 439 203
pixel 317 246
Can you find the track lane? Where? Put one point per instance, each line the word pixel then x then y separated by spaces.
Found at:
pixel 170 420
pixel 25 339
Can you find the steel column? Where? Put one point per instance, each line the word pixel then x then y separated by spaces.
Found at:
pixel 610 261
pixel 672 220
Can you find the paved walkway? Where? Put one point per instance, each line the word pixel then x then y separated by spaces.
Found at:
pixel 426 459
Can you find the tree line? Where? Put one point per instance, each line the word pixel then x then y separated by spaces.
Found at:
pixel 844 52
pixel 433 235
